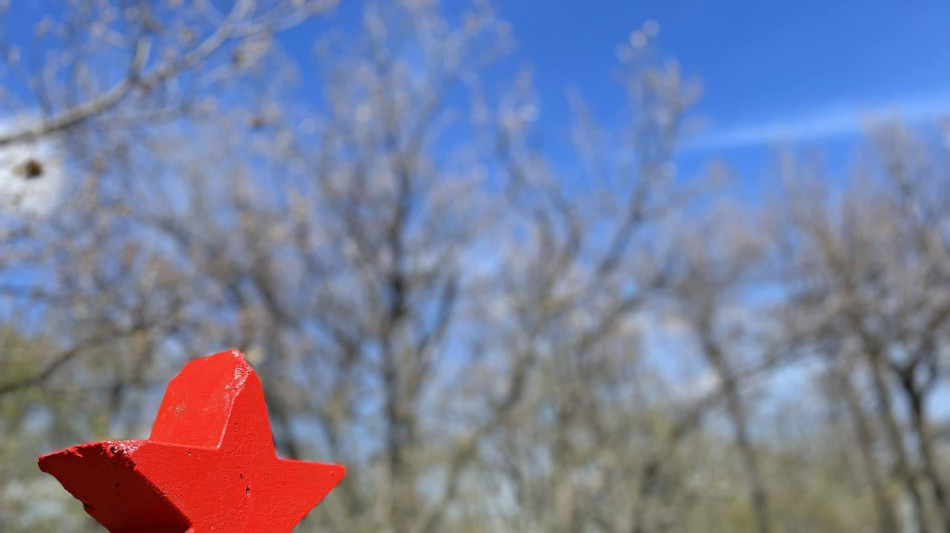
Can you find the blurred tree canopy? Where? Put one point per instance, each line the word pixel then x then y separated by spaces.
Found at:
pixel 489 336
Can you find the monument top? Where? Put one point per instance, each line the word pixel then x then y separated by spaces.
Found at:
pixel 209 464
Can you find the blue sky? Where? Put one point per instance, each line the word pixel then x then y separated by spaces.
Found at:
pixel 808 72
pixel 761 62
pixel 805 72
pixel 775 73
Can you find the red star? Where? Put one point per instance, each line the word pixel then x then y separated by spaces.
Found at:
pixel 208 466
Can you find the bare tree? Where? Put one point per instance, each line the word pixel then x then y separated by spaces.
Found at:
pixel 717 272
pixel 872 267
pixel 486 330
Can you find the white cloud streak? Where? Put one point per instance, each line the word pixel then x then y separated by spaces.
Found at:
pixel 832 121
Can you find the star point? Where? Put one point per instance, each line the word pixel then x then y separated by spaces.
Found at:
pixel 208 465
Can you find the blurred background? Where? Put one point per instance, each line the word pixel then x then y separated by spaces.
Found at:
pixel 533 267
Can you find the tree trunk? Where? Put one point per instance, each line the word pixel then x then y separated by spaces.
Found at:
pixel 758 496
pixel 884 507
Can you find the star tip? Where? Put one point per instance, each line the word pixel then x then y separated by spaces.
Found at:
pixel 231 354
pixel 45 461
pixel 331 474
pixel 337 473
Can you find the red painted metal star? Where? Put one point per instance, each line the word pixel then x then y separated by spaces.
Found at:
pixel 208 466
